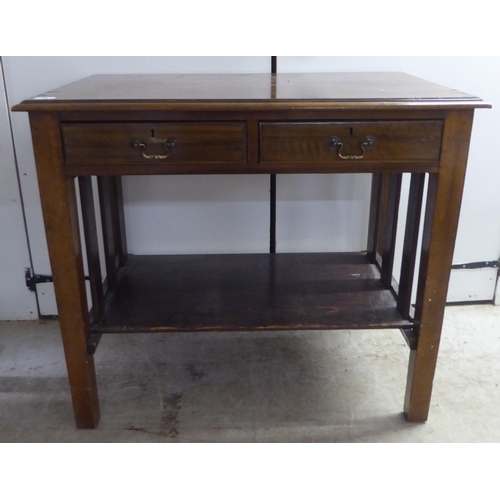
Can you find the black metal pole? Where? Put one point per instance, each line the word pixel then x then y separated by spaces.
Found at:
pixel 273 64
pixel 272 225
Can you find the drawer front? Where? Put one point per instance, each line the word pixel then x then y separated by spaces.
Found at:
pixel 173 142
pixel 326 142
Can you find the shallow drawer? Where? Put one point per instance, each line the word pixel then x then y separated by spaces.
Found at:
pixel 175 142
pixel 356 141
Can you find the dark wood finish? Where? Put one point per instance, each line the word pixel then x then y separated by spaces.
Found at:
pixel 63 237
pixel 410 243
pixel 444 197
pixel 397 111
pixel 165 168
pixel 109 144
pixel 92 246
pixel 253 124
pixel 410 337
pixel 373 221
pixel 250 292
pixel 120 233
pixel 248 92
pixel 382 214
pixel 108 203
pixel 390 227
pixel 312 142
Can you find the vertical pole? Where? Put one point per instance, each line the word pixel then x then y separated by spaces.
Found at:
pixel 272 188
pixel 274 64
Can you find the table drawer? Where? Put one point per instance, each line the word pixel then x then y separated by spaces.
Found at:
pixel 172 142
pixel 326 142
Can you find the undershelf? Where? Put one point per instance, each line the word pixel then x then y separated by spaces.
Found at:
pixel 249 292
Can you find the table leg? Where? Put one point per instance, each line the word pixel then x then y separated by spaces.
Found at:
pixel 58 198
pixel 440 226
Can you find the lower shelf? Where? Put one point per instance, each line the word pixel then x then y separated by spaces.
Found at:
pixel 249 292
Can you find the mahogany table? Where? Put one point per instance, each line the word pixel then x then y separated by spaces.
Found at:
pixel 385 124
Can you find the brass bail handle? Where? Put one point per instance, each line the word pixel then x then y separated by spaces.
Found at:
pixel 368 143
pixel 168 144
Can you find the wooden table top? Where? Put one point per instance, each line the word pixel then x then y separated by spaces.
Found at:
pixel 300 89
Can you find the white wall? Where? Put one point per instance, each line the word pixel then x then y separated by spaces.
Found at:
pixel 16 301
pixel 230 214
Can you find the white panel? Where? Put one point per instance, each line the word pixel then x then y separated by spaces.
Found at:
pixel 29 76
pixel 16 301
pixel 472 285
pixel 321 213
pixel 197 214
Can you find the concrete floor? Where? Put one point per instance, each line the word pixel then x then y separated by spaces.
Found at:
pixel 341 386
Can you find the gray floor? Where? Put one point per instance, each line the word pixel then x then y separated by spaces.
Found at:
pixel 342 386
